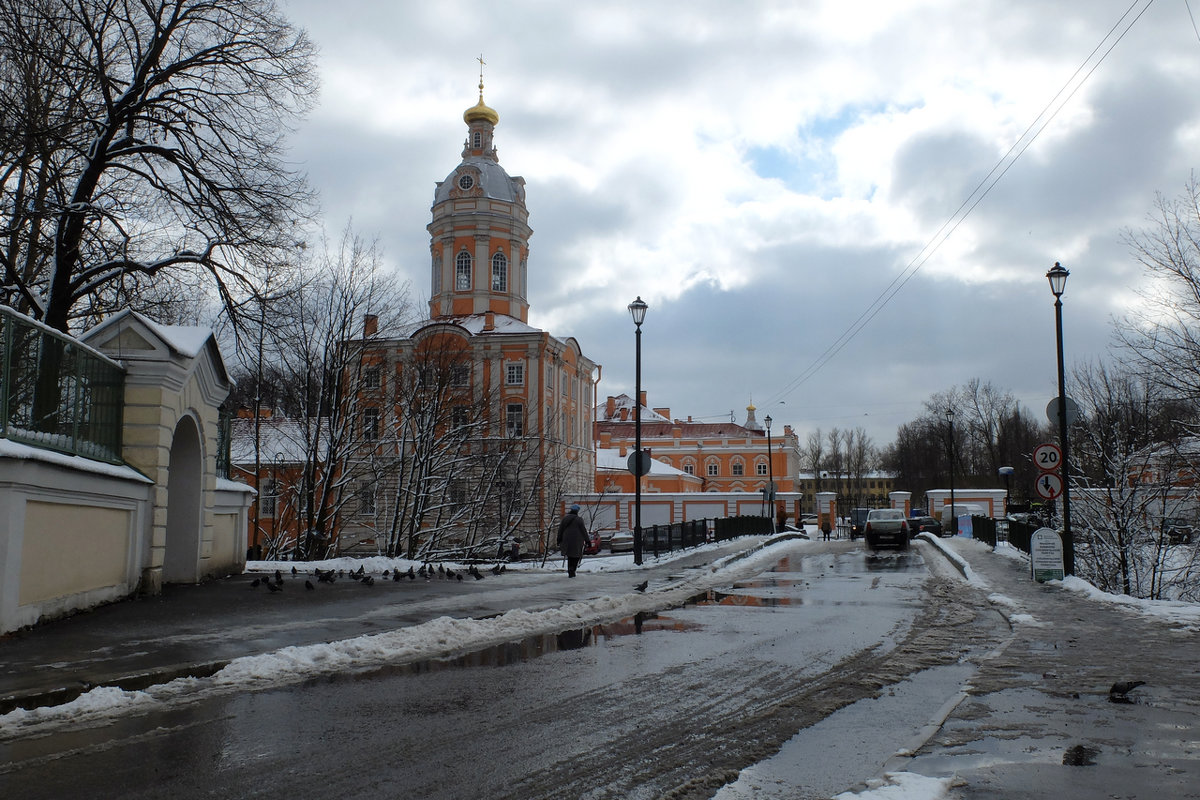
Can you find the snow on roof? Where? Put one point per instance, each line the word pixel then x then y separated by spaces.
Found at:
pixel 611 459
pixel 11 449
pixel 625 401
pixel 187 340
pixel 281 441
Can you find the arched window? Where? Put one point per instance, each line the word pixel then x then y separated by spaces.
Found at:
pixel 462 271
pixel 737 468
pixel 499 273
pixel 761 467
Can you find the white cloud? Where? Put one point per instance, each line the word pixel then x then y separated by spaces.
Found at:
pixel 760 172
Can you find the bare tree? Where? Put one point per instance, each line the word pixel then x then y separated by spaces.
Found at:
pixel 1128 487
pixel 142 139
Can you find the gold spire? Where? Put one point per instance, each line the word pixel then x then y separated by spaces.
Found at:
pixel 480 111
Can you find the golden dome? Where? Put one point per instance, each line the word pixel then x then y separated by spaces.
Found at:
pixel 480 111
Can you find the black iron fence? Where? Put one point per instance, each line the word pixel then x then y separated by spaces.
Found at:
pixel 729 527
pixel 987 530
pixel 58 393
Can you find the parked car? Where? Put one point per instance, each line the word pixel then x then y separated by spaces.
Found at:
pixel 1179 531
pixel 621 541
pixel 858 520
pixel 924 524
pixel 886 526
pixel 809 519
pixel 593 544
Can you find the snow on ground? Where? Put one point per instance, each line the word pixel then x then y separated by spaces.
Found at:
pixel 903 786
pixel 438 638
pixel 1176 612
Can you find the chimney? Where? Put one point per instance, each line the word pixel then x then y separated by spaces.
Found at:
pixel 642 398
pixel 489 321
pixel 370 325
pixel 666 412
pixel 606 440
pixel 624 415
pixel 610 407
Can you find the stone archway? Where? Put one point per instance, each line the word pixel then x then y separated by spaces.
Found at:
pixel 185 483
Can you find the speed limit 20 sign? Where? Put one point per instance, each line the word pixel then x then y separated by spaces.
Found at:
pixel 1048 457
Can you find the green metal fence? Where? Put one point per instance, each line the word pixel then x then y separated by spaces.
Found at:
pixel 57 393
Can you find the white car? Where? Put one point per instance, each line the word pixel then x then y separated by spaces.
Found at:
pixel 621 541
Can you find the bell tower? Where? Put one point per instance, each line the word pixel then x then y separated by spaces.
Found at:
pixel 479 235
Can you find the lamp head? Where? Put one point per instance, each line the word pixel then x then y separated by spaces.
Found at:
pixel 1058 279
pixel 768 421
pixel 638 310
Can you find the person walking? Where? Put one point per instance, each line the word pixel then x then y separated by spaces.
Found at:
pixel 572 538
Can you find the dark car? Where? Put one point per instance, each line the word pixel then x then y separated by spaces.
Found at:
pixel 886 526
pixel 858 522
pixel 927 524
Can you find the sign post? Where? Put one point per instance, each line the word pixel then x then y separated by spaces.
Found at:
pixel 1046 555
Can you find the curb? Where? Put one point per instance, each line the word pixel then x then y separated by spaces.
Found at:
pixel 129 683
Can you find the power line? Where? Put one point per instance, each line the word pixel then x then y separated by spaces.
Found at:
pixel 981 190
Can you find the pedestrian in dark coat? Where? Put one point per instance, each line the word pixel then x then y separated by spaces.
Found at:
pixel 572 538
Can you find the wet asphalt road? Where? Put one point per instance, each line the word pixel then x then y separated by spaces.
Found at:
pixel 673 704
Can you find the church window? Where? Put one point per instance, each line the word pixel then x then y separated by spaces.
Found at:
pixel 499 273
pixel 514 419
pixel 514 373
pixel 737 468
pixel 478 139
pixel 462 271
pixel 465 182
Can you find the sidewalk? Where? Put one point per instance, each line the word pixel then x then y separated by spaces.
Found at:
pixel 196 630
pixel 1037 720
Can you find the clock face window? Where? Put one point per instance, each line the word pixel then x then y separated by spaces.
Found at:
pixel 466 182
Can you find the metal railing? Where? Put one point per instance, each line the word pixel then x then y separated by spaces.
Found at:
pixel 985 530
pixel 747 525
pixel 677 536
pixel 57 393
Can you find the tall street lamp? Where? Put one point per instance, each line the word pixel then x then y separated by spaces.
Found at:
pixel 1058 284
pixel 770 475
pixel 953 515
pixel 638 310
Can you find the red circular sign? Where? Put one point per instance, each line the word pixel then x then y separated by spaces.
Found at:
pixel 1048 457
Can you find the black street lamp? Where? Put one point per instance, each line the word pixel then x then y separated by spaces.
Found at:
pixel 953 515
pixel 638 310
pixel 770 493
pixel 1058 284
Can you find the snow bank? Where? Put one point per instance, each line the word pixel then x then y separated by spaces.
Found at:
pixel 443 637
pixel 902 786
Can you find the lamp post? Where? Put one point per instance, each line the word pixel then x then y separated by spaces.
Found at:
pixel 770 493
pixel 1058 284
pixel 953 515
pixel 637 310
pixel 1006 473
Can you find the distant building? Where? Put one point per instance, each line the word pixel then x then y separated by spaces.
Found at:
pixel 723 456
pixel 869 490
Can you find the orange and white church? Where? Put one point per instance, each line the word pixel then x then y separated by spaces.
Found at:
pixel 539 388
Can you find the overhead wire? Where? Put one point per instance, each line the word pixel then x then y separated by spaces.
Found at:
pixel 981 190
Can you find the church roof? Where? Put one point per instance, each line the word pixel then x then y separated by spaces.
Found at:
pixel 491 178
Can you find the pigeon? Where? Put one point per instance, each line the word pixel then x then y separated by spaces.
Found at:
pixel 278 576
pixel 1119 690
pixel 387 573
pixel 496 570
pixel 361 570
pixel 256 582
pixel 368 581
pixel 309 585
pixel 641 587
pixel 395 576
pixel 295 571
pixel 412 575
pixel 274 587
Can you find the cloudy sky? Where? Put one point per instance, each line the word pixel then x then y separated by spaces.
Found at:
pixel 766 175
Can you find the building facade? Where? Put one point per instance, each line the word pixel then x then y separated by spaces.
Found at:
pixel 723 456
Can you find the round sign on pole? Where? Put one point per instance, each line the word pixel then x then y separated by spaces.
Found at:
pixel 1049 485
pixel 639 466
pixel 1048 457
pixel 1072 411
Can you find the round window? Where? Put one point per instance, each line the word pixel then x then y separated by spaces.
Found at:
pixel 466 182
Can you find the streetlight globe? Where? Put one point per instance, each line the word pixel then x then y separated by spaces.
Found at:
pixel 768 421
pixel 638 309
pixel 1058 279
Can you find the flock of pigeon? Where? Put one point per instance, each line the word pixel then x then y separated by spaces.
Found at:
pixel 426 572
